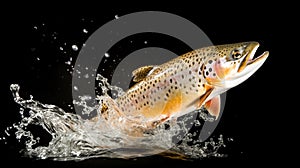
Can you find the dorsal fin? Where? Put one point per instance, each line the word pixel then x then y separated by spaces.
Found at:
pixel 141 73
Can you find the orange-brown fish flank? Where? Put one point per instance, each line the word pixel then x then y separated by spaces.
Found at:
pixel 173 104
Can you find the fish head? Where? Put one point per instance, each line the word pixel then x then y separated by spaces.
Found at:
pixel 232 64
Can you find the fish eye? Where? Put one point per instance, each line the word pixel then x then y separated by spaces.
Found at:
pixel 236 54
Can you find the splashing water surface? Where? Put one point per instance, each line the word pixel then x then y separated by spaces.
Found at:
pixel 75 138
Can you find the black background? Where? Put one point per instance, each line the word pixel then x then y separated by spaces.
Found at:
pixel 249 115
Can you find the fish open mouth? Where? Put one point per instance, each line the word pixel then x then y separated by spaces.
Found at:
pixel 258 58
pixel 250 59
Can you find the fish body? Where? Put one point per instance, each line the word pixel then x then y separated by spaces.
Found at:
pixel 182 85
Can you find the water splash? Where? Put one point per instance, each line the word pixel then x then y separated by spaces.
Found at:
pixel 75 138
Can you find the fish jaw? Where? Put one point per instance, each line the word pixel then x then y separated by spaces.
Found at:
pixel 245 71
pixel 249 69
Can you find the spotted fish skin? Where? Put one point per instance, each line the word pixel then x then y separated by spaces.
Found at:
pixel 184 84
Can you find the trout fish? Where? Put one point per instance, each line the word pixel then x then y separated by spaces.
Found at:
pixel 184 84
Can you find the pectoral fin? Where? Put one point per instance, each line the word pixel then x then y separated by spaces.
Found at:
pixel 202 99
pixel 213 106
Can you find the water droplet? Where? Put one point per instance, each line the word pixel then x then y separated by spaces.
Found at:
pixel 145 42
pixel 7 133
pixel 35 27
pixel 230 139
pixel 75 88
pixel 85 31
pixel 61 48
pixel 74 47
pixel 37 58
pixel 116 16
pixel 86 76
pixel 197 123
pixel 106 55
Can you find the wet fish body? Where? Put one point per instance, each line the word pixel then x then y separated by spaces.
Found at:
pixel 182 85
